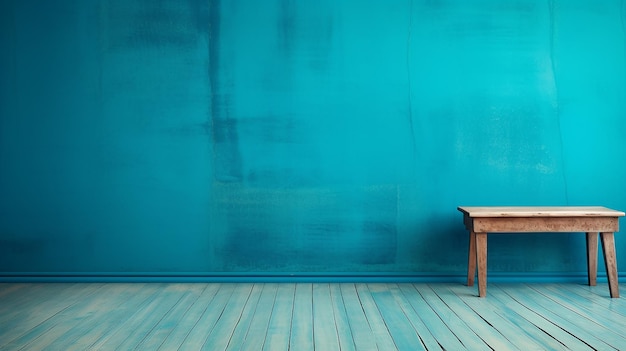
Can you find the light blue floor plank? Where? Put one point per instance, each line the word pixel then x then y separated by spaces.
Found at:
pixel 191 317
pixel 301 329
pixel 459 325
pixel 147 319
pixel 346 339
pixel 325 334
pixel 7 288
pixel 383 339
pixel 485 331
pixel 24 295
pixel 517 319
pixel 279 328
pixel 533 314
pixel 225 326
pixel 488 311
pixel 41 318
pixel 584 307
pixel 581 329
pixel 243 326
pixel 598 321
pixel 397 323
pixel 260 319
pixel 590 293
pixel 426 337
pixel 22 310
pixel 64 324
pixel 436 326
pixel 189 294
pixel 120 320
pixel 111 304
pixel 200 332
pixel 359 326
pixel 11 297
pixel 255 337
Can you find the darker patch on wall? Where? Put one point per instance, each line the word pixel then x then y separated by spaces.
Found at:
pixel 8 83
pixel 200 11
pixel 225 131
pixel 23 246
pixel 380 241
pixel 146 23
pixel 306 29
pixel 286 25
pixel 248 246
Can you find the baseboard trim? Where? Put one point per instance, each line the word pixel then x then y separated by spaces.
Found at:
pixel 300 277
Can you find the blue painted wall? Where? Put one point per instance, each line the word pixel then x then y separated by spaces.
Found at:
pixel 307 137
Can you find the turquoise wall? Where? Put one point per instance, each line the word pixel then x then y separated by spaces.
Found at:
pixel 246 137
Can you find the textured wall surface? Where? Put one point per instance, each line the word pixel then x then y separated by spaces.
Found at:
pixel 304 137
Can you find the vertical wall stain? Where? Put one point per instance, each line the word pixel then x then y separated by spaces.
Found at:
pixel 8 87
pixel 409 73
pixel 557 107
pixel 623 13
pixel 623 20
pixel 286 24
pixel 227 157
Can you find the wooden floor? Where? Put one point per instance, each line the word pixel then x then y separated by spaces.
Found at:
pixel 302 316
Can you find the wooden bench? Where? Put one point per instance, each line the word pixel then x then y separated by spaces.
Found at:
pixel 590 220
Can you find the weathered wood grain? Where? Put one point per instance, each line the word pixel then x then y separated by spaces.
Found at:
pixel 304 316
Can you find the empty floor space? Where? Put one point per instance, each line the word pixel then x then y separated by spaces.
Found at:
pixel 308 316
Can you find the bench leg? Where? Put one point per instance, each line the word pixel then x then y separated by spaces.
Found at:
pixel 610 261
pixel 592 258
pixel 481 253
pixel 471 264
